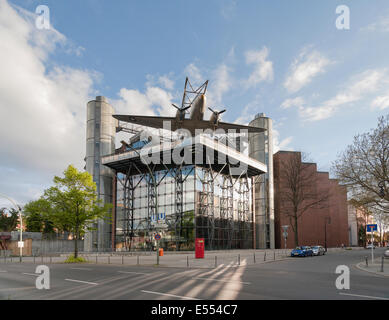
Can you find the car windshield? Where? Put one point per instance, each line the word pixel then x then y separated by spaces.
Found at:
pixel 316 247
pixel 298 248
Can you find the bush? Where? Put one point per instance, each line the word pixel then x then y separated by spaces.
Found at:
pixel 72 259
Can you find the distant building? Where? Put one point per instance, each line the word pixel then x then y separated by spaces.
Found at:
pixel 363 217
pixel 352 225
pixel 327 225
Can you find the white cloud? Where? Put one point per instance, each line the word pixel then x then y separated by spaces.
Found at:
pixel 263 68
pixel 165 81
pixel 304 69
pixel 194 74
pixel 382 25
pixel 154 100
pixel 293 102
pixel 42 110
pixel 220 83
pixel 381 102
pixel 249 111
pixel 162 99
pixel 133 102
pixel 361 85
pixel 278 145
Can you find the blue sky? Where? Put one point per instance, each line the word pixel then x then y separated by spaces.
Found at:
pixel 320 85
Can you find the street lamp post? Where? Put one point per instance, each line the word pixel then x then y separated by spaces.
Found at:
pixel 21 224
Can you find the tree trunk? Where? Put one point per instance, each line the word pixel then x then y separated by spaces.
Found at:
pixel 76 235
pixel 76 244
pixel 296 234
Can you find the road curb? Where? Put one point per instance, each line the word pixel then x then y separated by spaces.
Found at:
pixel 372 272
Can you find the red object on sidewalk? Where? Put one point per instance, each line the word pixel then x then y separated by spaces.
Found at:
pixel 199 248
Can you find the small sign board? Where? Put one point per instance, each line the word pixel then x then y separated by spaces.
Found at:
pixel 20 244
pixel 157 236
pixel 371 227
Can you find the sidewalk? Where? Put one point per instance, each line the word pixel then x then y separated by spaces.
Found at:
pixel 375 268
pixel 212 259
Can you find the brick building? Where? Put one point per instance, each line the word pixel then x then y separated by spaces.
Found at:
pixel 326 223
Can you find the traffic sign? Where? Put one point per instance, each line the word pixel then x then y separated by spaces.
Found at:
pixel 157 236
pixel 371 227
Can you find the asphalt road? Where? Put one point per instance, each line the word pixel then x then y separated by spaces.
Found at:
pixel 293 278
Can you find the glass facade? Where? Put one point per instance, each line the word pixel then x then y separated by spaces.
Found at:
pixel 201 203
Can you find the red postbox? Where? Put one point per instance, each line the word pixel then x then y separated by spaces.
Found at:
pixel 199 248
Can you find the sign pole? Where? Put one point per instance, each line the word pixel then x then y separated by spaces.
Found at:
pixel 372 246
pixel 372 228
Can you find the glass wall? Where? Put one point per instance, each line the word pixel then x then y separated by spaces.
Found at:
pixel 225 222
pixel 206 212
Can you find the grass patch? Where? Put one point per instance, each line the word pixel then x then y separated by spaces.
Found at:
pixel 72 259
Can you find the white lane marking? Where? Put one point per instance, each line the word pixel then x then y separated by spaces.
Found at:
pixel 231 281
pixel 16 289
pixel 32 274
pixel 3 271
pixel 169 295
pixel 80 269
pixel 361 296
pixel 86 282
pixel 144 273
pixel 130 272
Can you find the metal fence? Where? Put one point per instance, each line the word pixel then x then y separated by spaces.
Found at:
pixel 211 259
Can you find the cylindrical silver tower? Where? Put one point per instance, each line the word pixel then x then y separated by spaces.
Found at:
pixel 100 141
pixel 261 149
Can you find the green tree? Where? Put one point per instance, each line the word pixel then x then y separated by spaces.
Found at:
pixel 8 222
pixel 74 204
pixel 37 216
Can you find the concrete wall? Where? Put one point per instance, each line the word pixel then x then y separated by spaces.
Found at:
pixel 33 247
pixel 55 246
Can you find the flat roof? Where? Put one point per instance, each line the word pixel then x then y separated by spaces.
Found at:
pixel 200 151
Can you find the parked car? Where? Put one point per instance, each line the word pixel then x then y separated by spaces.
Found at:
pixel 386 254
pixel 318 251
pixel 369 246
pixel 302 252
